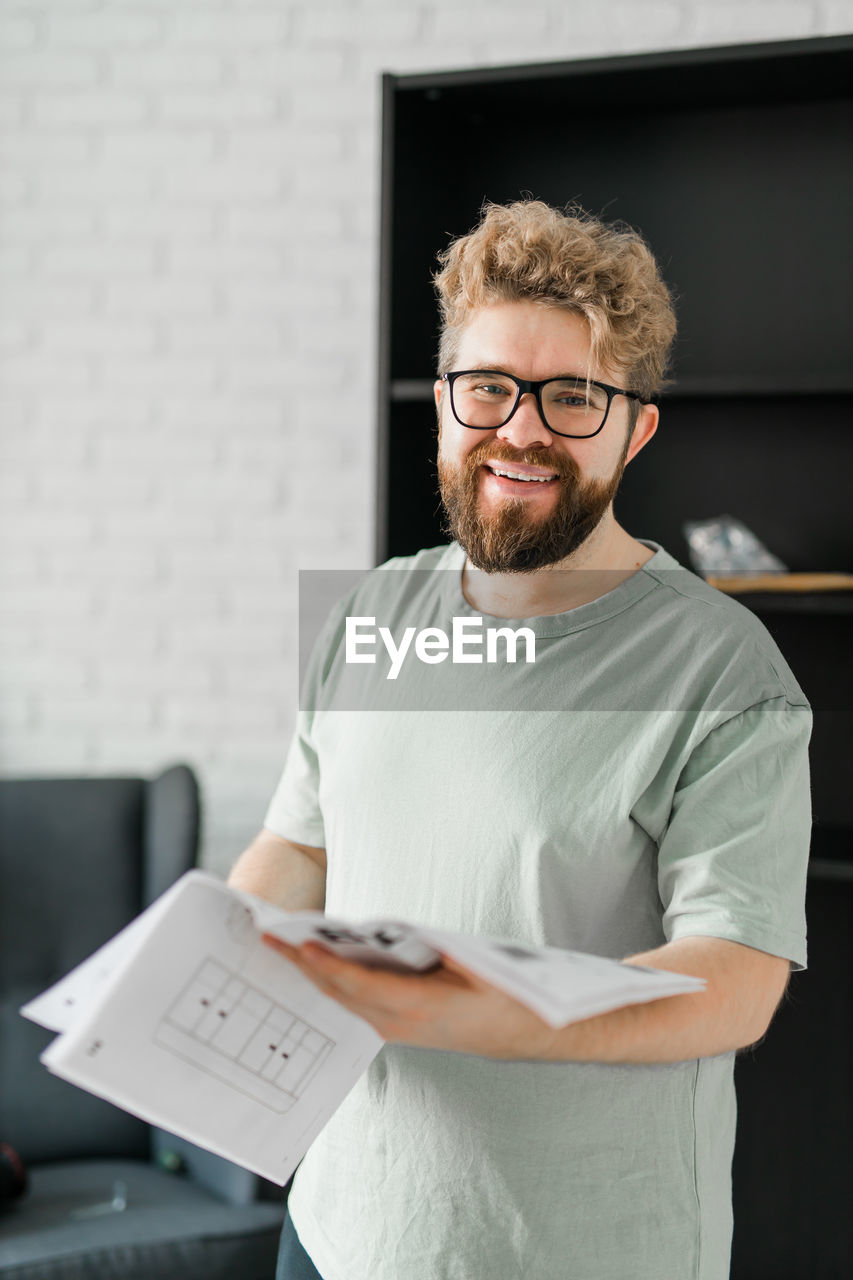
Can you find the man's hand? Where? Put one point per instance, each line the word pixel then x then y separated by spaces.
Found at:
pixel 452 1008
pixel 447 1008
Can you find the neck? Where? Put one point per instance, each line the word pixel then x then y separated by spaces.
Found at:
pixel 607 557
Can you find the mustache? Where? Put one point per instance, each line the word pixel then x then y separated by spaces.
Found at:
pixel 498 451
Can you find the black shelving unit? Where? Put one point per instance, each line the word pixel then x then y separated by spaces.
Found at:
pixel 735 162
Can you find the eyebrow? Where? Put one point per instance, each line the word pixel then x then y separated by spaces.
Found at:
pixel 495 366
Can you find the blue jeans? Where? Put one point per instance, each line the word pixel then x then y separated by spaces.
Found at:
pixel 293 1262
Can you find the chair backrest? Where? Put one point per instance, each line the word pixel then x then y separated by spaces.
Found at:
pixel 79 858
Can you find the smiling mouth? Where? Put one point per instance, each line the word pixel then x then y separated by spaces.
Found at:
pixel 520 475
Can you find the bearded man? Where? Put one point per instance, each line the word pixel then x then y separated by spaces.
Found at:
pixel 640 792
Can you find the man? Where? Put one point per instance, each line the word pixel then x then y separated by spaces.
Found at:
pixel 642 793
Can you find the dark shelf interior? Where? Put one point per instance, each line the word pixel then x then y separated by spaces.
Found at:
pixel 795 1116
pixel 735 164
pixel 740 162
pixel 833 603
pixel 778 463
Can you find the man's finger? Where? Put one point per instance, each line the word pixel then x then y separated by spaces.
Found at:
pixel 453 966
pixel 277 944
pixel 350 976
pixel 294 955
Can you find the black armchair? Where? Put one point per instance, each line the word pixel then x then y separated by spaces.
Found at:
pixel 108 1195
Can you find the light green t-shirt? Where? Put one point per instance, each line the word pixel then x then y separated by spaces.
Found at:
pixel 644 779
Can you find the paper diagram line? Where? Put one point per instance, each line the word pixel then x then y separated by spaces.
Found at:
pixel 237 1033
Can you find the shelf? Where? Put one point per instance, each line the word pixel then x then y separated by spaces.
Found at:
pixel 827 869
pixel 412 389
pixel 757 385
pixel 420 389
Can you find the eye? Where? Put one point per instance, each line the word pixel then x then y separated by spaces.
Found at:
pixel 576 396
pixel 491 389
pixel 485 386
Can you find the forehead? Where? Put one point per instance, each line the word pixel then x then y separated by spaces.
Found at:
pixel 529 339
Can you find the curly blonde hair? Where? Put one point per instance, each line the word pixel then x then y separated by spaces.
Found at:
pixel 604 272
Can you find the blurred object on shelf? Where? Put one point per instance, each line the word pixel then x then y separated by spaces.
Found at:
pixel 725 546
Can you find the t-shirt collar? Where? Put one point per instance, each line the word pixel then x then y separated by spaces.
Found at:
pixel 621 597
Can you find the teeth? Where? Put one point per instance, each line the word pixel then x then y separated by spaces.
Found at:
pixel 515 475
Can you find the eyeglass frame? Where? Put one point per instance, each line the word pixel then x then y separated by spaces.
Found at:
pixel 525 385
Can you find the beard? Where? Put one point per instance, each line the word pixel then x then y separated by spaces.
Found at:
pixel 510 539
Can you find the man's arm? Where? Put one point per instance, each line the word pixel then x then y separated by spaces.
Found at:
pixel 744 988
pixel 293 876
pixel 454 1009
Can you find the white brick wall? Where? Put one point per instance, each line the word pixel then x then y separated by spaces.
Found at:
pixel 188 215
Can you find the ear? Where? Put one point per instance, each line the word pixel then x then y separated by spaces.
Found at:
pixel 647 425
pixel 436 391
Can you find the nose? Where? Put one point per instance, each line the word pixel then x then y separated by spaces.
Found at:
pixel 526 427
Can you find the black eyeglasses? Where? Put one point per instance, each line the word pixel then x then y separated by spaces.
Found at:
pixel 485 399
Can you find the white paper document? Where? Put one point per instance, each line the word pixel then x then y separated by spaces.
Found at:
pixel 188 1020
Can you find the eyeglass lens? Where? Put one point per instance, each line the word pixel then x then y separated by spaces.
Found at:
pixel 570 405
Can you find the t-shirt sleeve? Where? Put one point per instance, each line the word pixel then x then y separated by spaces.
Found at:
pixel 295 812
pixel 732 862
